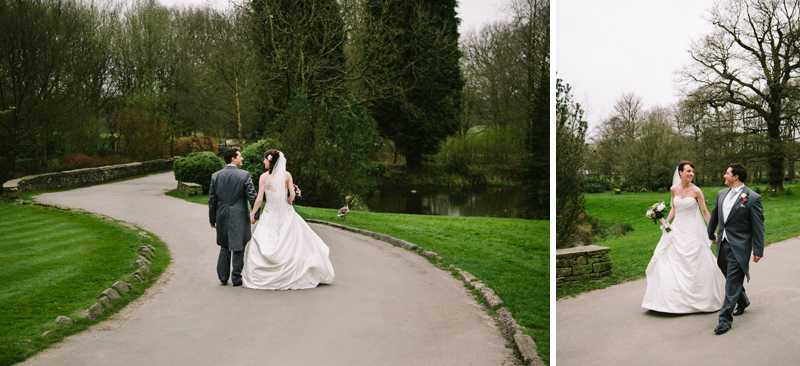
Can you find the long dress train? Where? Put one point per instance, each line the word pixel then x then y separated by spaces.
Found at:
pixel 683 276
pixel 284 253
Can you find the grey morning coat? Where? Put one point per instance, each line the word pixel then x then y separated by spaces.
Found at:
pixel 231 189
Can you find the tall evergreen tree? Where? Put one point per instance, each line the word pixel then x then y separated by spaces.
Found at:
pixel 301 45
pixel 412 70
pixel 571 154
pixel 534 20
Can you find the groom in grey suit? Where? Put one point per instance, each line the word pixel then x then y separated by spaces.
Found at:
pixel 738 219
pixel 228 212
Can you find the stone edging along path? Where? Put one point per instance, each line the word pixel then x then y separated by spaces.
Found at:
pixel 511 329
pixel 105 299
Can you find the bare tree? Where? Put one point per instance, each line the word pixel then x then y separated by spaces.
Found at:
pixel 640 145
pixel 750 60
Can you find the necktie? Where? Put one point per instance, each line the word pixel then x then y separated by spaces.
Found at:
pixel 730 201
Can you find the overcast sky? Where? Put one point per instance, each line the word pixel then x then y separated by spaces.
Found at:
pixel 610 47
pixel 473 13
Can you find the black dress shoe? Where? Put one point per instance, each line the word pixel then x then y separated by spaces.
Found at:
pixel 739 310
pixel 223 283
pixel 237 284
pixel 722 328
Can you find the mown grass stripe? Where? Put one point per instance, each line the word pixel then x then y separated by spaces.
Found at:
pixel 21 275
pixel 55 262
pixel 25 231
pixel 39 242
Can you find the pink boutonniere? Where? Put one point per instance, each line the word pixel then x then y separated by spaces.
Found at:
pixel 743 197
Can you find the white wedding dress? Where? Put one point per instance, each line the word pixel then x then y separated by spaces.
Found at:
pixel 683 276
pixel 284 253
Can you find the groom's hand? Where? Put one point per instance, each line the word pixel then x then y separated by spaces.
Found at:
pixel 715 239
pixel 756 258
pixel 213 226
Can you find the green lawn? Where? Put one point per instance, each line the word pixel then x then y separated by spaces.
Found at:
pixel 631 252
pixel 55 262
pixel 511 256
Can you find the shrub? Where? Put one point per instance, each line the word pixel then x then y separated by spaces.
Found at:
pixel 757 190
pixel 184 146
pixel 457 164
pixel 198 168
pixel 79 161
pixel 596 185
pixel 789 191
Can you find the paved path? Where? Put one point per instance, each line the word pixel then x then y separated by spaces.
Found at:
pixel 609 327
pixel 387 306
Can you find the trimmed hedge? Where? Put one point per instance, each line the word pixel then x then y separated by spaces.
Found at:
pixel 198 168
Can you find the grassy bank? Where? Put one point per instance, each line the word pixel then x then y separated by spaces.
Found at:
pixel 510 255
pixel 55 262
pixel 631 251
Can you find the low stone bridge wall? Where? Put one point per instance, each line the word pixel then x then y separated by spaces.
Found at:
pixel 82 177
pixel 581 264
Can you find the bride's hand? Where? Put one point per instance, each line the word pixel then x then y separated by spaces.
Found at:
pixel 252 220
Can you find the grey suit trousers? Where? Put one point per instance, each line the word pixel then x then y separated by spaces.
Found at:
pixel 734 284
pixel 224 265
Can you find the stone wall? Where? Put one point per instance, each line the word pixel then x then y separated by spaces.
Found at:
pixel 190 189
pixel 581 264
pixel 82 177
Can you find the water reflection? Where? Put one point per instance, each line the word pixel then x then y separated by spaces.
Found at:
pixel 487 202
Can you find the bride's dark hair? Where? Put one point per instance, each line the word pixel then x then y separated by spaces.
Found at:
pixel 684 163
pixel 274 154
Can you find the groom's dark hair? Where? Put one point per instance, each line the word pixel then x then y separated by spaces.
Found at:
pixel 230 154
pixel 738 169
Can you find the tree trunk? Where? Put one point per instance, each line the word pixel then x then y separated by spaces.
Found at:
pixel 776 154
pixel 238 107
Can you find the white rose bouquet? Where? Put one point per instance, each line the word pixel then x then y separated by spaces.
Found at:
pixel 656 213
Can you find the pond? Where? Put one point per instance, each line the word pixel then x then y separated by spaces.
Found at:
pixel 443 201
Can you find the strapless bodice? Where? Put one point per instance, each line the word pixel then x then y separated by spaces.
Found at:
pixel 685 207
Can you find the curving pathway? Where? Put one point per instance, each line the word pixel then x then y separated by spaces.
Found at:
pixel 387 306
pixel 609 327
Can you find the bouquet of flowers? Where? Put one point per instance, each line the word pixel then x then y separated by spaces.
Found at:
pixel 656 213
pixel 296 190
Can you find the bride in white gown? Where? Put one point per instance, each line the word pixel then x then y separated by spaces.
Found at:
pixel 284 253
pixel 683 276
